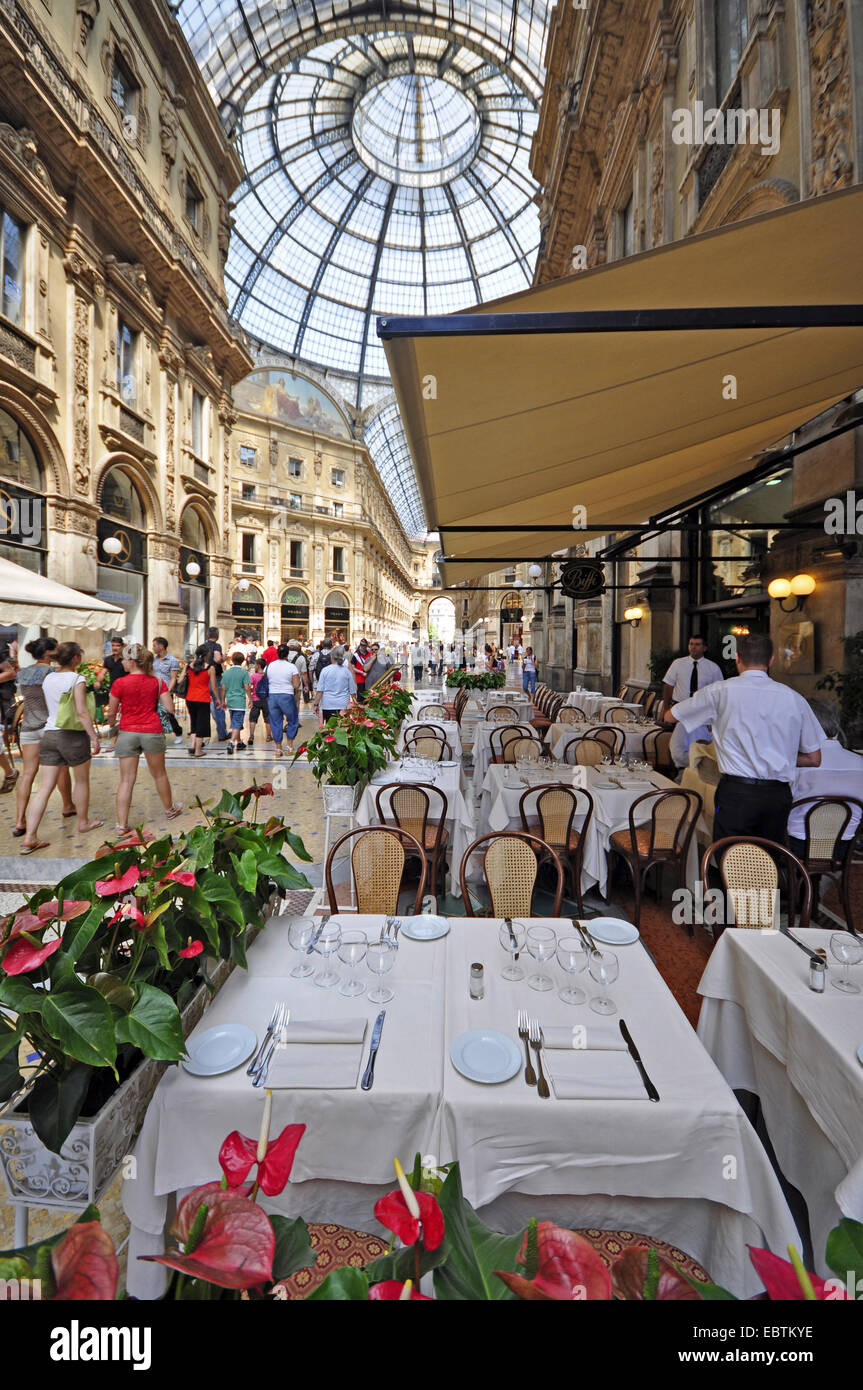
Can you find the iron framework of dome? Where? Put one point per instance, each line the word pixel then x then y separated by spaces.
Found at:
pixel 386 173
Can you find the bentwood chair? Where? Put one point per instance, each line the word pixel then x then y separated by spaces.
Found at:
pixel 656 750
pixel 556 806
pixel 523 747
pixel 663 839
pixel 570 715
pixel 434 749
pixel 409 807
pixel 750 870
pixel 826 854
pixel 584 752
pixel 501 714
pixel 378 859
pixel 510 863
pixel 618 715
pixel 613 739
pixel 498 740
pixel 432 712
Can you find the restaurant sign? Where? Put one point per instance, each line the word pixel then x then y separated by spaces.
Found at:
pixel 582 579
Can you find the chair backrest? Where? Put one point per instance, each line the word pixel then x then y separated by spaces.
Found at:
pixel 749 867
pixel 617 715
pixel 555 705
pixel 556 806
pixel 432 712
pixel 651 701
pixel 509 865
pixel 569 715
pixel 673 815
pixel 424 730
pixel 411 804
pixel 612 739
pixel 499 738
pixel 656 747
pixel 584 752
pixel 435 749
pixel 522 747
pixel 826 821
pixel 377 863
pixel 502 714
pixel 622 691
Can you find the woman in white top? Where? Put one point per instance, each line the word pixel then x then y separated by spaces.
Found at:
pixel 283 680
pixel 335 687
pixel 67 747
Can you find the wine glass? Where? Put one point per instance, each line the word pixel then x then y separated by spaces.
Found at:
pixel 352 950
pixel 604 968
pixel 300 933
pixel 849 950
pixel 326 945
pixel 381 957
pixel 512 939
pixel 542 944
pixel 572 958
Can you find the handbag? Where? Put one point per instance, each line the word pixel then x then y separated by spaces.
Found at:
pixel 67 713
pixel 164 716
pixel 181 689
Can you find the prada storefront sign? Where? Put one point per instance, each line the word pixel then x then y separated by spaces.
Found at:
pixel 582 579
pixel 247 610
pixel 132 546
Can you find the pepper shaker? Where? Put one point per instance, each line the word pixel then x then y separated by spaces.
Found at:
pixel 477 985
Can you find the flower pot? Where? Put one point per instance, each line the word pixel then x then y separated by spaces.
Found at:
pixel 340 800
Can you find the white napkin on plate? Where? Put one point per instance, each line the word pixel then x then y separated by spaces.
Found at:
pixel 594 1075
pixel 599 1036
pixel 323 1054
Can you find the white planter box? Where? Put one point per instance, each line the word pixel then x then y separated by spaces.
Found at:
pixel 341 801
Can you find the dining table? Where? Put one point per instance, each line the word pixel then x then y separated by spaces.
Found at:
pixel 560 734
pixel 801 1054
pixel 596 1153
pixel 613 789
pixel 449 778
pixel 447 728
pixel 521 704
pixel 481 750
pixel 596 705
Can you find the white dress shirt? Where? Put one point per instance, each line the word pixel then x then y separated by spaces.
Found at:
pixel 840 774
pixel 759 725
pixel 679 675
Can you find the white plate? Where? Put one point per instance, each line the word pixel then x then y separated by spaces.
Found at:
pixel 483 1054
pixel 220 1049
pixel 612 931
pixel 424 927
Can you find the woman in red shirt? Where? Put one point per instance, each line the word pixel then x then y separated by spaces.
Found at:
pixel 202 689
pixel 136 696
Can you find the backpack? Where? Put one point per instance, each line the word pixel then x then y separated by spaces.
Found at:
pixel 262 690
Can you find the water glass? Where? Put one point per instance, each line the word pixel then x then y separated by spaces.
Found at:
pixel 513 941
pixel 300 933
pixel 380 958
pixel 326 945
pixel 572 958
pixel 542 944
pixel 849 950
pixel 352 951
pixel 604 967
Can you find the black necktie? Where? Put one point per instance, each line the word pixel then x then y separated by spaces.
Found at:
pixel 693 679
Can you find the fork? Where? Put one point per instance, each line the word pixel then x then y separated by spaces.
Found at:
pixel 280 1037
pixel 271 1027
pixel 392 928
pixel 536 1040
pixel 524 1034
pixel 267 1047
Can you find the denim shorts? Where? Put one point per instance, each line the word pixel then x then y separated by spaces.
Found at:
pixel 238 718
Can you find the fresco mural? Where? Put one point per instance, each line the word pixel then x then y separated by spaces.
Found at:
pixel 292 399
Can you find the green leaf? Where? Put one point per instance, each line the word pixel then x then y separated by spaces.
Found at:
pixel 238 951
pixel 55 1103
pixel 298 847
pixel 845 1249
pixel 346 1285
pixel 154 1025
pixel 217 890
pixel 80 932
pixel 20 994
pixel 229 805
pixel 10 1077
pixel 246 870
pixel 159 943
pixel 401 1265
pixel 14 1268
pixel 82 1022
pixel 711 1293
pixel 473 1251
pixel 651 1276
pixel 293 1247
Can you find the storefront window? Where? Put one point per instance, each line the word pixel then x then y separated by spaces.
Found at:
pixel 732 559
pixel 295 615
pixel 122 572
pixel 194 587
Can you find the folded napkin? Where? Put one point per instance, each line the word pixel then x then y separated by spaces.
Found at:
pixel 600 1036
pixel 594 1075
pixel 320 1055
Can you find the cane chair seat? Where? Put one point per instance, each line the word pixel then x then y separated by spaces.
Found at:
pixel 510 864
pixel 749 868
pixel 432 749
pixel 377 856
pixel 622 840
pixel 501 714
pixel 432 712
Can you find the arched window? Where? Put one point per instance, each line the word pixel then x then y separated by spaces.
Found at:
pixel 120 499
pixel 295 615
pixel 18 459
pixel 121 532
pixel 337 617
pixel 23 531
pixel 194 577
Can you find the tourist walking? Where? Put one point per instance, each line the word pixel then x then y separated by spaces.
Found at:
pixel 335 687
pixel 283 679
pixel 134 705
pixel 167 668
pixel 35 714
pixel 528 672
pixel 8 676
pixel 217 657
pixel 201 691
pixel 259 703
pixel 236 684
pixel 69 740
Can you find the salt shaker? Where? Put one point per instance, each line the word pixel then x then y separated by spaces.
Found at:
pixel 817 974
pixel 477 986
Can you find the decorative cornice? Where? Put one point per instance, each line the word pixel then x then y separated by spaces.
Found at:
pixel 22 152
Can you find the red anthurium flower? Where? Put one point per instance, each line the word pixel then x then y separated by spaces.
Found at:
pixel 568 1268
pixel 303 748
pixel 330 738
pixel 194 948
pixel 782 1284
pixel 392 1212
pixel 85 1264
pixel 630 1272
pixel 397 675
pixel 71 909
pixel 238 1154
pixel 24 921
pixel 22 956
pixel 129 909
pixel 107 887
pixel 134 840
pixel 265 789
pixel 391 1290
pixel 237 1245
pixel 183 877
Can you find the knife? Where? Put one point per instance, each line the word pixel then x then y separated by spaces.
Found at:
pixel 369 1073
pixel 508 921
pixel 649 1087
pixel 317 936
pixel 785 932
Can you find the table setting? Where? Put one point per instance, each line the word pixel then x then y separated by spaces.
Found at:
pixel 482 745
pixel 560 734
pixel 449 778
pixel 447 728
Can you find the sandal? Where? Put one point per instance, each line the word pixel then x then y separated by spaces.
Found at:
pixel 93 825
pixel 67 814
pixel 19 831
pixel 9 782
pixel 122 830
pixel 174 812
pixel 31 849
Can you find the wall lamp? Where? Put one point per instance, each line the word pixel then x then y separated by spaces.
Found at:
pixel 799 588
pixel 633 616
pixel 111 545
pixel 193 569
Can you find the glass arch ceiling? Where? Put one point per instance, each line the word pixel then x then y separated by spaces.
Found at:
pixel 386 173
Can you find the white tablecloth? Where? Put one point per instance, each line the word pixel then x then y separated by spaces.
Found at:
pixel 499 811
pixel 482 746
pixel 593 702
pixel 559 735
pixel 448 728
pixel 459 819
pixel 618 1164
pixel 523 706
pixel 429 697
pixel 796 1050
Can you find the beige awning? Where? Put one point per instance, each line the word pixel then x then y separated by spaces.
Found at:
pixel 31 600
pixel 519 429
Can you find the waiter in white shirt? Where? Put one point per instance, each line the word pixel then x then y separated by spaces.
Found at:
pixel 762 732
pixel 839 774
pixel 684 677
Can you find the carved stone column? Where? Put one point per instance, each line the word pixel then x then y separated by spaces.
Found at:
pixel 86 285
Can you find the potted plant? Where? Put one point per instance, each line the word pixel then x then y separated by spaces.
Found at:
pixel 349 749
pixel 476 680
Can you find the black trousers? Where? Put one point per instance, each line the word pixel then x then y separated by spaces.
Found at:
pixel 747 808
